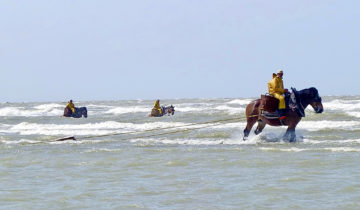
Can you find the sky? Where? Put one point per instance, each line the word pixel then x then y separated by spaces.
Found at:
pixel 164 49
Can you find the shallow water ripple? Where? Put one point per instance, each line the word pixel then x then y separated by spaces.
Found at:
pixel 206 168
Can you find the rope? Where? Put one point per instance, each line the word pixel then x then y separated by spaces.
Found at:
pixel 165 133
pixel 153 129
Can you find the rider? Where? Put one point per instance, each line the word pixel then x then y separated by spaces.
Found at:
pixel 276 89
pixel 157 106
pixel 71 106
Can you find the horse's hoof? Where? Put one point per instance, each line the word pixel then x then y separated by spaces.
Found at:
pixel 292 140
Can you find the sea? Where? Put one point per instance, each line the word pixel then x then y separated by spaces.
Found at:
pixel 194 159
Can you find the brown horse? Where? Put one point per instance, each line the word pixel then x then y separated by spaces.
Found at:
pixel 165 110
pixel 306 97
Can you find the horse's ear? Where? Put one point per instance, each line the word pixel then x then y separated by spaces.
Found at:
pixel 314 92
pixel 313 89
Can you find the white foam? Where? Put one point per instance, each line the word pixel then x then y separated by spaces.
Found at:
pixel 14 111
pixel 342 105
pixel 342 149
pixel 50 106
pixel 41 110
pixel 326 124
pixel 354 114
pixel 102 150
pixel 310 141
pixel 102 128
pixel 208 109
pixel 21 141
pixel 292 149
pixel 240 101
pixel 326 142
pixel 295 149
pixel 194 107
pixel 124 110
pixel 251 140
pixel 99 106
pixel 231 110
pixel 190 109
pixel 240 125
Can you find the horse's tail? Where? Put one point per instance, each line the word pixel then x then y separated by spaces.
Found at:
pixel 67 112
pixel 251 109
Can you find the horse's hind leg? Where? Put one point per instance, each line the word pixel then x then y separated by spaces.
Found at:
pixel 250 123
pixel 260 127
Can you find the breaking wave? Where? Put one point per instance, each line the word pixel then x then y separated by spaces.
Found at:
pixel 125 110
pixel 42 110
pixel 342 105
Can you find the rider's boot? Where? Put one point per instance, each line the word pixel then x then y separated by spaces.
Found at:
pixel 282 116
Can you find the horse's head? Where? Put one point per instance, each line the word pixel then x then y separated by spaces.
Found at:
pixel 315 100
pixel 84 112
pixel 172 110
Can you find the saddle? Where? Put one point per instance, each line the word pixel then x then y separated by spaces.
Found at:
pixel 269 105
pixel 155 112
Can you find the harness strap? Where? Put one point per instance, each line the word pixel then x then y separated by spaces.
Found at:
pixel 251 116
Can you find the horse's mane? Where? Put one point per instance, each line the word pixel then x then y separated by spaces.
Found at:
pixel 309 94
pixel 309 91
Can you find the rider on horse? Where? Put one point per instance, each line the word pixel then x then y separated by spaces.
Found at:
pixel 276 89
pixel 157 106
pixel 71 106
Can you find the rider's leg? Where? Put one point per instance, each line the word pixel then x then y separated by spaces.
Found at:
pixel 281 106
pixel 281 100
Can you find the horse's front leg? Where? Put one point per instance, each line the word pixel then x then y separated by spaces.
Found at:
pixel 250 123
pixel 290 135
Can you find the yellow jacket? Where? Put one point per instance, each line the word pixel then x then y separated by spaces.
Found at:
pixel 71 106
pixel 276 85
pixel 157 106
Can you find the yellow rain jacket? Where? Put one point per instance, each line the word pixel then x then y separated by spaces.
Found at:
pixel 276 88
pixel 157 106
pixel 71 106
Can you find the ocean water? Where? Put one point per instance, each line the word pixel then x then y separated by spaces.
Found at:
pixel 123 159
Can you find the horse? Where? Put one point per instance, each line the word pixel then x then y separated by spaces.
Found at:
pixel 79 112
pixel 304 98
pixel 165 110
